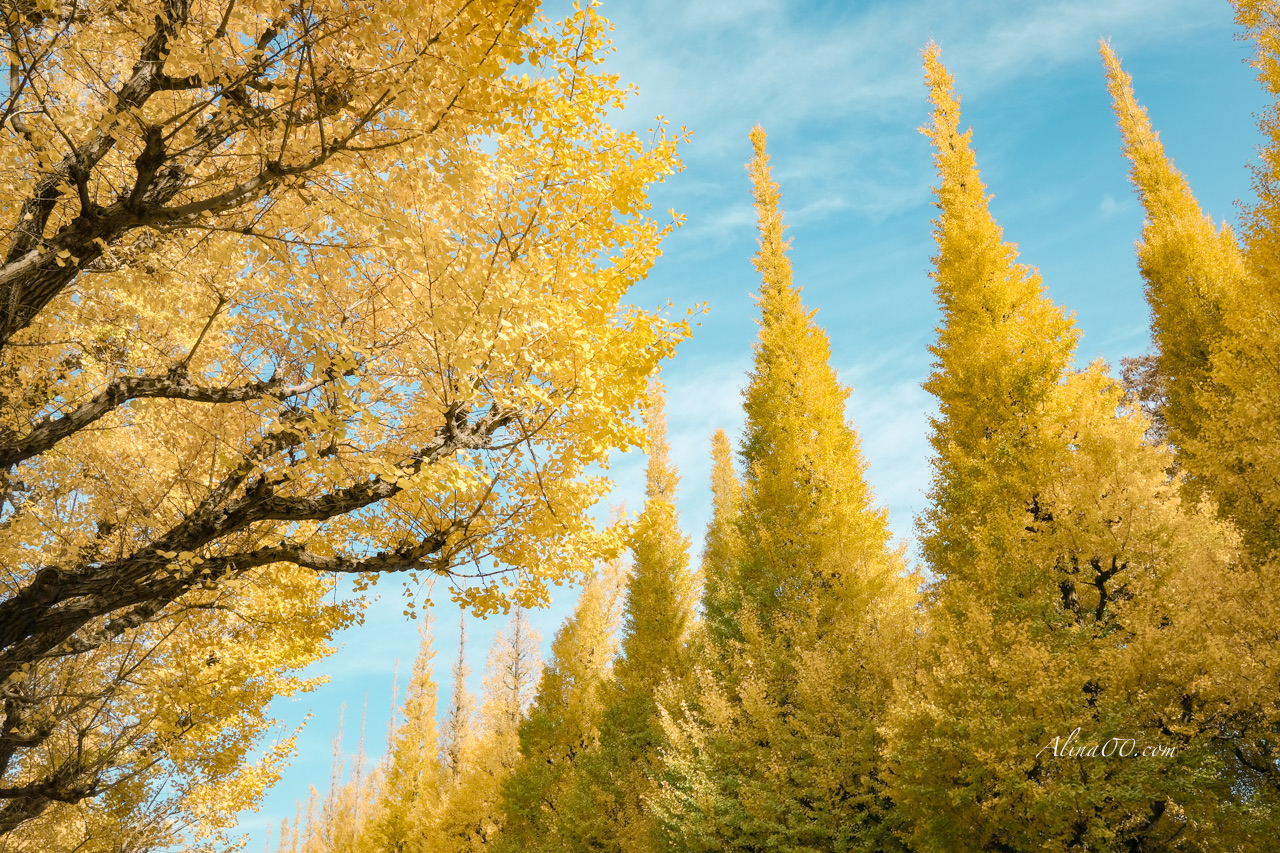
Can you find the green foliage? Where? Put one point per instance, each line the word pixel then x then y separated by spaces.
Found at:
pixel 607 808
pixel 1091 588
pixel 563 721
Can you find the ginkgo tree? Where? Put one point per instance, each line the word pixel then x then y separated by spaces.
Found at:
pixel 1075 588
pixel 288 292
pixel 771 744
pixel 1214 327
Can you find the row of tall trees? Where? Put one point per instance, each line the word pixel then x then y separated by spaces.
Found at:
pixel 568 764
pixel 438 784
pixel 1093 661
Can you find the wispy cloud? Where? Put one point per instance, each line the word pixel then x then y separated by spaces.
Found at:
pixel 852 73
pixel 787 62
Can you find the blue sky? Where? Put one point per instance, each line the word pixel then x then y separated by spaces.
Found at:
pixel 838 87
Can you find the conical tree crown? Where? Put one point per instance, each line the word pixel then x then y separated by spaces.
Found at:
pixel 568 700
pixel 512 673
pixel 459 727
pixel 1066 564
pixel 563 721
pixel 1215 324
pixel 659 595
pixel 469 819
pixel 722 549
pixel 1001 349
pixel 807 521
pixel 607 808
pixel 1217 321
pixel 1191 268
pixel 1262 219
pixel 775 743
pixel 412 778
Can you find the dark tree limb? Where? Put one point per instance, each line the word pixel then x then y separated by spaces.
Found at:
pixel 47 433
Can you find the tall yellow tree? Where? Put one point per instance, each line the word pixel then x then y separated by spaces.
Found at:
pixel 1071 578
pixel 607 809
pixel 339 823
pixel 1214 311
pixel 780 748
pixel 563 721
pixel 1245 445
pixel 469 819
pixel 1193 269
pixel 410 782
pixel 1207 300
pixel 459 725
pixel 290 292
pixel 722 546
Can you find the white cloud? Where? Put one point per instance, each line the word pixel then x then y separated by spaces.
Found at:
pixel 855 72
pixel 805 65
pixel 722 223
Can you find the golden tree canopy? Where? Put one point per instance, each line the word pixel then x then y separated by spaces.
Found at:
pixel 287 292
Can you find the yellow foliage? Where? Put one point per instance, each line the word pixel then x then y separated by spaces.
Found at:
pixel 1193 270
pixel 1072 585
pixel 773 742
pixel 721 551
pixel 356 307
pixel 469 815
pixel 606 805
pixel 1214 312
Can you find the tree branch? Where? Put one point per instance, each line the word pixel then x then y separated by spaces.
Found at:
pixel 175 386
